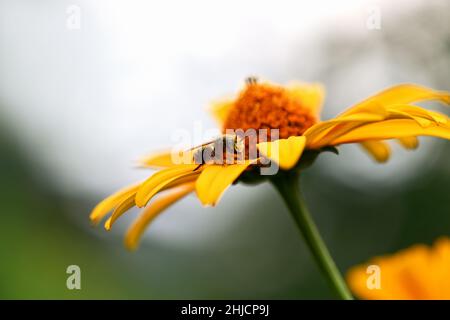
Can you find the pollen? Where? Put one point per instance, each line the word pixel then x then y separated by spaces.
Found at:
pixel 267 106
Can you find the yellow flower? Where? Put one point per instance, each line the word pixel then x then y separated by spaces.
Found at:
pixel 419 272
pixel 295 111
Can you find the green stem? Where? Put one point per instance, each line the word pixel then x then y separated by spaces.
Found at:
pixel 287 185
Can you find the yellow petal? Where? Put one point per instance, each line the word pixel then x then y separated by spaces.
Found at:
pixel 183 180
pixel 161 179
pixel 419 272
pixel 214 179
pixel 379 150
pixel 402 94
pixel 123 207
pixel 285 152
pixel 102 209
pixel 158 160
pixel 220 110
pixel 409 142
pixel 323 132
pixel 310 94
pixel 395 114
pixel 391 103
pixel 136 230
pixel 419 112
pixel 392 129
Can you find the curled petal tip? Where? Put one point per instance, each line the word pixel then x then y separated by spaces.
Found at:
pixel 108 224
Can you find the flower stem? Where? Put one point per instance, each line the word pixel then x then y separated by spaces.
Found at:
pixel 287 185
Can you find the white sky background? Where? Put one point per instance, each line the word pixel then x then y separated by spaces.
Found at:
pixel 86 103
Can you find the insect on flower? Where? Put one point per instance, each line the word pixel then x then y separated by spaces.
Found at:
pixel 251 80
pixel 228 148
pixel 296 134
pixel 290 115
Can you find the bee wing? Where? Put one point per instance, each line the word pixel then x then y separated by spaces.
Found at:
pixel 201 146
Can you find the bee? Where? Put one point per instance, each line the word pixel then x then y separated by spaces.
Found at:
pixel 215 151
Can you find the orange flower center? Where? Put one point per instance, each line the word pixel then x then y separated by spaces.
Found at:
pixel 266 106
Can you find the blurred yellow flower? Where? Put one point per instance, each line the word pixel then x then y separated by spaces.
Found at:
pixel 293 110
pixel 419 272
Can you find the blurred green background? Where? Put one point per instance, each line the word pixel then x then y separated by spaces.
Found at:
pixel 261 257
pixel 258 253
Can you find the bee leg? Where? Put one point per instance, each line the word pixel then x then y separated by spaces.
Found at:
pixel 198 167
